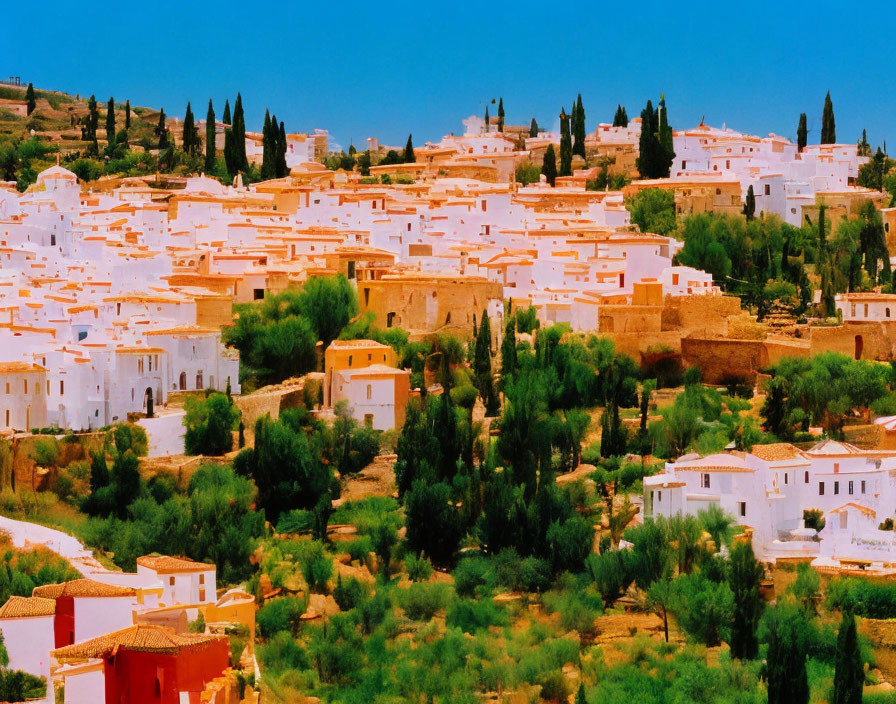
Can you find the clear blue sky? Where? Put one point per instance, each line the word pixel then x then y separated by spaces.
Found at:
pixel 385 68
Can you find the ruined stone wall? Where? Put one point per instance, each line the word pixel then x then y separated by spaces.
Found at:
pixel 699 316
pixel 629 318
pixel 635 344
pixel 720 360
pixel 865 340
pixel 428 306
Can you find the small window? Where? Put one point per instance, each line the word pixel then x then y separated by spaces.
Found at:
pixel 704 481
pixel 258 294
pixel 61 387
pixel 786 478
pixel 202 579
pixel 768 189
pixel 25 382
pixel 369 391
pixel 821 488
pixel 863 486
pixel 836 467
pixel 368 420
pixel 836 488
pixel 850 488
pixel 659 496
pixel 742 508
pixel 350 357
pixel 171 581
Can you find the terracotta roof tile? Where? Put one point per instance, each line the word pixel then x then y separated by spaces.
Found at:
pixel 141 638
pixel 776 452
pixel 27 606
pixel 164 563
pixel 82 588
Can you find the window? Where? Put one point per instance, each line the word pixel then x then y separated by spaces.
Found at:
pixel 258 294
pixel 25 381
pixel 659 496
pixel 850 488
pixel 171 581
pixel 202 579
pixel 7 387
pixel 821 488
pixel 786 478
pixel 199 379
pixel 863 486
pixel 836 488
pixel 61 387
pixel 202 594
pixel 768 189
pixel 742 508
pixel 887 312
pixel 369 391
pixel 704 481
pixel 350 357
pixel 836 467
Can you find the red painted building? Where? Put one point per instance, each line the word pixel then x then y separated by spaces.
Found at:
pixel 86 608
pixel 152 664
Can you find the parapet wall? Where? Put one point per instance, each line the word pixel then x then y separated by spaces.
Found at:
pixel 699 316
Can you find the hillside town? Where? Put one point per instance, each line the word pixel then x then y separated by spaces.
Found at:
pixel 269 410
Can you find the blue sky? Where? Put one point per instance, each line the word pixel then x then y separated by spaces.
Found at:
pixel 386 69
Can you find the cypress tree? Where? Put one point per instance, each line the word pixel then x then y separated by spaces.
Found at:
pixel 745 573
pixel 623 119
pixel 88 134
pixel 849 673
pixel 110 122
pixel 190 138
pixel 225 118
pixel 239 135
pixel 99 470
pixel 162 131
pixel 210 137
pixel 579 129
pixel 647 144
pixel 864 149
pixel 408 155
pixel 282 168
pixel 127 114
pixel 509 362
pixel 549 165
pixel 565 145
pixel 533 128
pixel 482 367
pixel 29 98
pixel 828 124
pixel 268 148
pixel 500 114
pixel 664 135
pixel 486 118
pixel 580 695
pixel 750 204
pixel 802 133
pixel 613 440
pixel 786 668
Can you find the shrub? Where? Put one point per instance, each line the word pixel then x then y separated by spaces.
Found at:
pixel 471 575
pixel 348 594
pixel 282 652
pixel 279 615
pixel 471 616
pixel 317 567
pixel 419 569
pixel 421 601
pixel 554 686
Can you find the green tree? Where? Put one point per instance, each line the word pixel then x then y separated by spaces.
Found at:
pixel 509 360
pixel 225 118
pixel 750 204
pixel 239 135
pixel 849 673
pixel 99 470
pixel 786 665
pixel 328 302
pixel 653 210
pixel 565 145
pixel 125 481
pixel 482 367
pixel 620 119
pixel 802 133
pixel 190 138
pixel 578 128
pixel 88 133
pixel 862 146
pixel 29 99
pixel 649 159
pixel 745 573
pixel 209 423
pixel 500 114
pixel 127 114
pixel 161 132
pixel 664 136
pixel 408 155
pixel 210 132
pixel 269 136
pixel 487 120
pixel 533 128
pixel 433 523
pixel 110 123
pixel 282 168
pixel 549 165
pixel 828 124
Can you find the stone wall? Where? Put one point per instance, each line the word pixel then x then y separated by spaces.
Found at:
pixel 699 316
pixel 629 318
pixel 864 340
pixel 720 360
